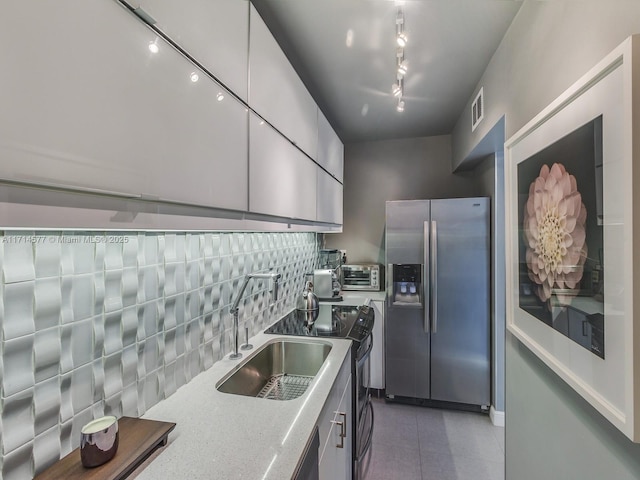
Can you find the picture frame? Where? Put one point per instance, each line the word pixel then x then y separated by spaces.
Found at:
pixel 559 273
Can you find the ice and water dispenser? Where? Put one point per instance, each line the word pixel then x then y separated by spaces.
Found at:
pixel 407 285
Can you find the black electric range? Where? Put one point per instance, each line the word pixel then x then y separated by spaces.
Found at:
pixel 352 322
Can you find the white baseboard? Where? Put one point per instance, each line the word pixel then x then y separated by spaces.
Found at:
pixel 497 417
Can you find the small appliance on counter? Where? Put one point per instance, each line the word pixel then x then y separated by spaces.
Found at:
pixel 362 277
pixel 325 285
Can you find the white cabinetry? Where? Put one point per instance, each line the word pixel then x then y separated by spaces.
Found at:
pixel 335 428
pixel 282 179
pixel 330 148
pixel 276 92
pixel 216 34
pixel 329 198
pixel 88 105
pixel 376 378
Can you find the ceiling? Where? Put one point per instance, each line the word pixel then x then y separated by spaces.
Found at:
pixel 450 44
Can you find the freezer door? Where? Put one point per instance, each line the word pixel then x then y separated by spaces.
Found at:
pixel 460 339
pixel 404 235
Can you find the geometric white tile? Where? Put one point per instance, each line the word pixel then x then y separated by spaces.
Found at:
pixel 66 352
pixel 17 464
pixel 17 362
pixel 48 302
pixel 18 264
pixel 129 366
pixel 18 309
pixel 112 332
pixel 113 291
pixel 148 284
pixel 82 388
pixel 46 448
pixel 17 420
pixel 48 257
pixel 129 326
pixel 82 342
pixel 112 375
pixel 82 255
pixel 82 296
pixel 113 256
pixel 129 249
pixel 46 405
pixel 129 288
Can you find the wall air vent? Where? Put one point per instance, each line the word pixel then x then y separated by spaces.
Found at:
pixel 477 109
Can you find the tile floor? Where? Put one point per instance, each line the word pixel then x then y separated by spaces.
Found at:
pixel 419 443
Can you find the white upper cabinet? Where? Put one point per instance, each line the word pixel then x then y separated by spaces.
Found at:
pixel 215 33
pixel 276 92
pixel 88 104
pixel 282 179
pixel 330 148
pixel 329 199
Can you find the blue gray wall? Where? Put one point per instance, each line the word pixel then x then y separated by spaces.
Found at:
pixel 550 431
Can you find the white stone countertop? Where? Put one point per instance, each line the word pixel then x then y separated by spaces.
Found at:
pixel 226 436
pixel 353 297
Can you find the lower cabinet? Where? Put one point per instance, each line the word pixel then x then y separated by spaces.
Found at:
pixel 376 377
pixel 335 427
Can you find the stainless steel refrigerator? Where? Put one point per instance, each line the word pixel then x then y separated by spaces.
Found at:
pixel 437 328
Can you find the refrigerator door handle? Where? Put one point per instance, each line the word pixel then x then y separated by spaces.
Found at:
pixel 425 275
pixel 433 267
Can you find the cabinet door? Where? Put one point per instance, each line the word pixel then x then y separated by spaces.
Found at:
pixel 216 34
pixel 376 378
pixel 329 198
pixel 282 179
pixel 276 92
pixel 89 105
pixel 330 148
pixel 335 462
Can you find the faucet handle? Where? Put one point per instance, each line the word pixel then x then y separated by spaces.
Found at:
pixel 276 283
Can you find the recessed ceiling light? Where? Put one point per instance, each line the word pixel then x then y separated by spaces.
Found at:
pixel 153 47
pixel 194 77
pixel 220 96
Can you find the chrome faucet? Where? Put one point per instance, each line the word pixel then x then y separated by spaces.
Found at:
pixel 274 277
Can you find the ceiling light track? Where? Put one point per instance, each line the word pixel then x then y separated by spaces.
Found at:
pixel 397 89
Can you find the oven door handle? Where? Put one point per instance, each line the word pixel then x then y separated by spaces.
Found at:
pixel 363 451
pixel 366 354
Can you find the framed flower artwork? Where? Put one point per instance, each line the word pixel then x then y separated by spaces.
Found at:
pixel 572 178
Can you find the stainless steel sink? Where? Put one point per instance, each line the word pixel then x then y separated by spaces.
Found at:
pixel 280 370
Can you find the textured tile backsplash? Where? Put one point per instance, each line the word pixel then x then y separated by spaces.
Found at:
pixel 97 323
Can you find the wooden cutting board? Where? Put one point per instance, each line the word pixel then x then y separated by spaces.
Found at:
pixel 137 440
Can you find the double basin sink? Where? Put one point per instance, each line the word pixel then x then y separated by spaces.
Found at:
pixel 280 370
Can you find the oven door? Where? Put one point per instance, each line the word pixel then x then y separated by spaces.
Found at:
pixel 364 408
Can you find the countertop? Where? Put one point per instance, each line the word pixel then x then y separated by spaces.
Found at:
pixel 220 435
pixel 353 297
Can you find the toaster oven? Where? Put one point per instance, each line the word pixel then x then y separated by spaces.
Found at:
pixel 364 277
